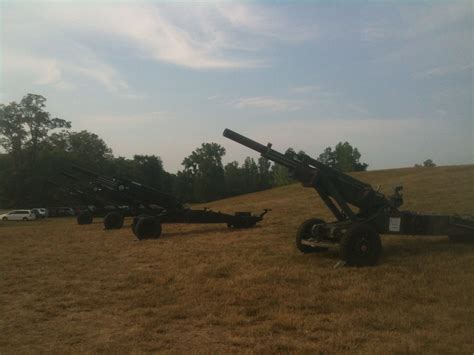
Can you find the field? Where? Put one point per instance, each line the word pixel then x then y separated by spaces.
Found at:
pixel 65 287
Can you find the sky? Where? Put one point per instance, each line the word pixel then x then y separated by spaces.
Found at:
pixel 393 78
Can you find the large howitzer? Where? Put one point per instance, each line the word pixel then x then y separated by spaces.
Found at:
pixel 138 199
pixel 91 204
pixel 151 207
pixel 128 191
pixel 357 233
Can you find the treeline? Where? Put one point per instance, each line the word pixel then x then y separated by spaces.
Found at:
pixel 38 147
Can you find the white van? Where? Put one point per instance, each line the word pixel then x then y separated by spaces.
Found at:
pixel 18 215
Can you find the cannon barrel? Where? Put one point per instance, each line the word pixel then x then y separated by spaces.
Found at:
pixel 249 143
pixel 265 151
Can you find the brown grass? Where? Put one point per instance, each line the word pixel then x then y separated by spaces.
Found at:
pixel 66 287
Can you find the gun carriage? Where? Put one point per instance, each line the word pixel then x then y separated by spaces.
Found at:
pixel 151 208
pixel 356 231
pixel 92 204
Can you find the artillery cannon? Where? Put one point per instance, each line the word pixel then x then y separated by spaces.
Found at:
pixel 151 207
pixel 356 232
pixel 93 204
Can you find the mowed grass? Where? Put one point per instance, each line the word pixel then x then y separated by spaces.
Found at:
pixel 66 287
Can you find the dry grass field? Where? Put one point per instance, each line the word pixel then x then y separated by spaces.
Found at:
pixel 65 287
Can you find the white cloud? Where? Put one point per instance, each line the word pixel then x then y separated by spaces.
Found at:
pixel 210 36
pixel 41 71
pixel 57 72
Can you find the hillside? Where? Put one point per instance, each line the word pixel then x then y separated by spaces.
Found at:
pixel 66 287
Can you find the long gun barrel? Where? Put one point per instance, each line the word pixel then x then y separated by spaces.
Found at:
pixel 335 188
pixel 265 151
pixel 129 191
pixel 357 232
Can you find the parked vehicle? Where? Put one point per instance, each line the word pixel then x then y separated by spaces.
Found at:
pixel 39 212
pixel 18 215
pixel 61 211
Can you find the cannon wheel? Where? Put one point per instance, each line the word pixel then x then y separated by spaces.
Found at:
pixel 304 232
pixel 84 217
pixel 147 228
pixel 113 220
pixel 360 246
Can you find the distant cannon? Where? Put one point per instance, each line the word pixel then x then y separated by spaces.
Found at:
pixel 90 205
pixel 151 208
pixel 356 232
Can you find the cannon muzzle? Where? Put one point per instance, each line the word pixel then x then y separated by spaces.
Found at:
pixel 249 143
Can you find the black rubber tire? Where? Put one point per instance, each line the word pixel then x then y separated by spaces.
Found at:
pixel 84 218
pixel 25 219
pixel 147 228
pixel 4 219
pixel 135 221
pixel 361 246
pixel 462 238
pixel 303 231
pixel 113 220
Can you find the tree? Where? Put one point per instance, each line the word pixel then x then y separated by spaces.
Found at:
pixel 12 131
pixel 344 157
pixel 428 163
pixel 205 167
pixel 250 174
pixel 38 122
pixel 234 179
pixel 24 132
pixel 150 170
pixel 264 173
pixel 84 148
pixel 328 157
pixel 280 174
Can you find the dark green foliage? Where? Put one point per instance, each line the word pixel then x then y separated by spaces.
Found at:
pixel 204 167
pixel 344 157
pixel 38 147
pixel 234 177
pixel 264 174
pixel 428 163
pixel 250 177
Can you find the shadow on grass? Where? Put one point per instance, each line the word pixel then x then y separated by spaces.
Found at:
pixel 216 229
pixel 419 246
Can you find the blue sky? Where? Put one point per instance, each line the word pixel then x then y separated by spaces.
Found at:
pixel 392 78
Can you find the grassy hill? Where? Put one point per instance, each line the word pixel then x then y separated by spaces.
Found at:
pixel 66 287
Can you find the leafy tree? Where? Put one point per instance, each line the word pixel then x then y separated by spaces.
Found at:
pixel 205 167
pixel 235 183
pixel 150 170
pixel 280 174
pixel 428 163
pixel 83 148
pixel 183 186
pixel 344 157
pixel 328 157
pixel 38 122
pixel 24 132
pixel 250 173
pixel 12 131
pixel 264 173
